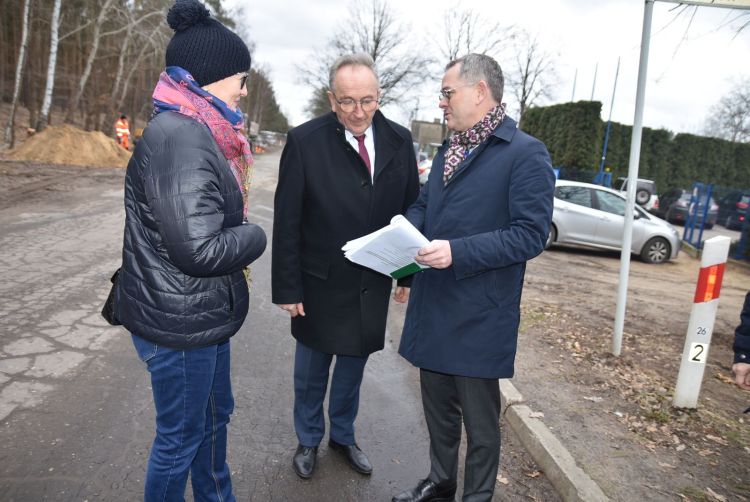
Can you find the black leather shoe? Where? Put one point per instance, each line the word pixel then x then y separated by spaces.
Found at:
pixel 427 490
pixel 356 457
pixel 304 461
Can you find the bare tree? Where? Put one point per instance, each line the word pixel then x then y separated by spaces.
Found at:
pixel 532 75
pixel 242 29
pixel 139 31
pixel 465 31
pixel 372 27
pixel 51 65
pixel 95 41
pixel 259 94
pixel 9 133
pixel 128 24
pixel 261 103
pixel 219 12
pixel 116 82
pixel 319 103
pixel 744 21
pixel 104 57
pixel 730 118
pixel 151 44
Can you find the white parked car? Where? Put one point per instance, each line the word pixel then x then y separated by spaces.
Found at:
pixel 645 193
pixel 592 215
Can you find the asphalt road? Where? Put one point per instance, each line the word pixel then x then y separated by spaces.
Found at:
pixel 76 417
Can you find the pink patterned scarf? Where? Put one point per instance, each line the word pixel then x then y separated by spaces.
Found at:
pixel 461 143
pixel 177 91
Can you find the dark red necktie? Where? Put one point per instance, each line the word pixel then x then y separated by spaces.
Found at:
pixel 363 151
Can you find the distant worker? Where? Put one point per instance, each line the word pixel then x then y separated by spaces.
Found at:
pixel 741 367
pixel 122 130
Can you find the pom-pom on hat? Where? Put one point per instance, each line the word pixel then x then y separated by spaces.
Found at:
pixel 202 45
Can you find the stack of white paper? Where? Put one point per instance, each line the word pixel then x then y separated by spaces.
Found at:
pixel 390 250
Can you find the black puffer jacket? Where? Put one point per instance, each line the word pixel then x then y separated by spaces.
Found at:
pixel 181 284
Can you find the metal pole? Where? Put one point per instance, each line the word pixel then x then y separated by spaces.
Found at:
pixel 593 86
pixel 575 79
pixel 609 120
pixel 635 154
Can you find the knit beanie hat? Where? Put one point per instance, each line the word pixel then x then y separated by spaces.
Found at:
pixel 203 46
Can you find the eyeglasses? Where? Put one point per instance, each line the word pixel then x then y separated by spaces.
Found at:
pixel 446 93
pixel 348 105
pixel 243 79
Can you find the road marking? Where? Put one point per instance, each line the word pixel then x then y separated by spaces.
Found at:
pixel 265 208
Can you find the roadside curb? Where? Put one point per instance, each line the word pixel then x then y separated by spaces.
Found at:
pixel 570 481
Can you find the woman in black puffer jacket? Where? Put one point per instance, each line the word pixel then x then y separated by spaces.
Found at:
pixel 182 289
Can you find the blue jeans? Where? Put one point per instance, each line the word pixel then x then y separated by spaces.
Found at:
pixel 310 385
pixel 193 400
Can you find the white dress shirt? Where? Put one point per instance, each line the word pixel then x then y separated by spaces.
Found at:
pixel 369 145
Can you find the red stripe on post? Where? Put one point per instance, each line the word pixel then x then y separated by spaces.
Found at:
pixel 709 283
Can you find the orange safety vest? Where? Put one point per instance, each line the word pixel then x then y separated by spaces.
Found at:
pixel 122 128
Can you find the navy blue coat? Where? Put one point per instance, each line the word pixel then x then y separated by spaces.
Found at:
pixel 495 211
pixel 742 334
pixel 181 283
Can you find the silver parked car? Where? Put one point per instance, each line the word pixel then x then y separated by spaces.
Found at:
pixel 592 215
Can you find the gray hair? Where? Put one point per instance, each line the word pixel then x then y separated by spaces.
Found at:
pixel 358 59
pixel 476 67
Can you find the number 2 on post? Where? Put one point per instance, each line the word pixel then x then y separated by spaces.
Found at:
pixel 698 353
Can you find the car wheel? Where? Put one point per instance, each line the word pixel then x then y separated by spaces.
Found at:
pixel 728 223
pixel 642 197
pixel 656 250
pixel 552 237
pixel 708 226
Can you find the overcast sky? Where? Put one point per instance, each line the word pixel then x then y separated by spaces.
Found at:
pixel 693 58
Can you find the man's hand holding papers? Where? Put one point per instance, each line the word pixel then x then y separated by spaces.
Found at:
pixel 390 250
pixel 437 254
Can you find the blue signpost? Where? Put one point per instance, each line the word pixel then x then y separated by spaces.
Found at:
pixel 741 250
pixel 697 215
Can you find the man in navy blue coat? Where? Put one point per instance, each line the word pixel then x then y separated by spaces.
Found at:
pixel 486 209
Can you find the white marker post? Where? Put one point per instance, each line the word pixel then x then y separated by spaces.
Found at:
pixel 701 325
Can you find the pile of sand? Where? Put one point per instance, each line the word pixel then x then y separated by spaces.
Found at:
pixel 66 144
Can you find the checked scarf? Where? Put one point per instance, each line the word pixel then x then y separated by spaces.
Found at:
pixel 177 91
pixel 462 143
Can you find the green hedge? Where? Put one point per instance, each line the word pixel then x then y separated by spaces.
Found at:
pixel 574 135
